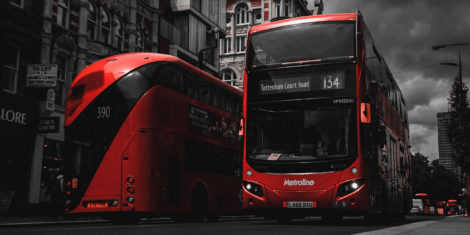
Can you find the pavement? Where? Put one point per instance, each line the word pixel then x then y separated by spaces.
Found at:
pixel 431 225
pixel 456 224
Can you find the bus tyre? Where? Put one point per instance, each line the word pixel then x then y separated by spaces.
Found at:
pixel 199 203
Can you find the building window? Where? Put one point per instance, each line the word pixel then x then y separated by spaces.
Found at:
pixel 277 8
pixel 92 21
pixel 105 26
pixel 241 44
pixel 196 4
pixel 139 45
pixel 62 13
pixel 286 8
pixel 10 69
pixel 242 16
pixel 18 3
pixel 61 62
pixel 229 76
pixel 227 45
pixel 118 33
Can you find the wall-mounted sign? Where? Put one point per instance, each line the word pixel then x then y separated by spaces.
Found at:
pixel 41 75
pixel 50 100
pixel 48 125
pixel 18 116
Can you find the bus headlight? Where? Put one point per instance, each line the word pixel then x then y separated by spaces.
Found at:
pixel 350 187
pixel 253 188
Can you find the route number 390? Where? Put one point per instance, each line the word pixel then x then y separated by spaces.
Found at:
pixel 103 112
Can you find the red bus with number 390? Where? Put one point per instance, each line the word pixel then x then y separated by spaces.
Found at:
pixel 325 123
pixel 149 134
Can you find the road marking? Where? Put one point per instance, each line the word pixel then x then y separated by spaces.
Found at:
pixel 399 229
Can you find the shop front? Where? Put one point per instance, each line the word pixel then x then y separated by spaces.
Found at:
pixel 18 118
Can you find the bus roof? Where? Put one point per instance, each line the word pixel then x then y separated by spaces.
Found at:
pixel 304 19
pixel 102 73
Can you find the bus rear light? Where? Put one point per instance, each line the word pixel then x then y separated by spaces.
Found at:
pixel 131 199
pixel 350 187
pixel 130 180
pixel 99 203
pixel 130 190
pixel 68 193
pixel 253 188
pixel 74 183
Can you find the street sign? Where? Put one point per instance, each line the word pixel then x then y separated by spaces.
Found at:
pixel 41 75
pixel 48 125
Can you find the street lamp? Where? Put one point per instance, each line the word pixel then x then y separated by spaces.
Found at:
pixel 437 47
pixel 447 45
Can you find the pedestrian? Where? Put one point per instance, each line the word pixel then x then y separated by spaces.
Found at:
pixel 464 201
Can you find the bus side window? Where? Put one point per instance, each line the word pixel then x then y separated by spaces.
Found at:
pixel 204 92
pixel 189 86
pixel 165 76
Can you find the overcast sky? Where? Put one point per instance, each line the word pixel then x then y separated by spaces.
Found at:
pixel 404 31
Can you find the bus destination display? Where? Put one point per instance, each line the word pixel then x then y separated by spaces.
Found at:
pixel 302 82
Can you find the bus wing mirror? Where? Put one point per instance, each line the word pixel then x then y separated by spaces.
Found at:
pixel 240 131
pixel 365 113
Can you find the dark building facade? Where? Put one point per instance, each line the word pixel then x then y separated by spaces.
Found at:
pixel 446 150
pixel 46 43
pixel 241 15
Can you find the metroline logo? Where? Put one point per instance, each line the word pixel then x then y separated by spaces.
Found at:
pixel 302 182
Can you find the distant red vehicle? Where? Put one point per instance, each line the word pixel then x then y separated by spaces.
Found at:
pixel 426 204
pixel 150 134
pixel 453 207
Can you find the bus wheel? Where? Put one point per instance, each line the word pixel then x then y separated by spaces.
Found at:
pixel 199 202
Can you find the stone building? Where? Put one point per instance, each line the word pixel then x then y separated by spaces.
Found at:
pixel 46 43
pixel 241 15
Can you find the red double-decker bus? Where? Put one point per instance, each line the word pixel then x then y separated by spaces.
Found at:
pixel 326 128
pixel 149 134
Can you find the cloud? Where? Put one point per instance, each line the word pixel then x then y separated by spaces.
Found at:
pixel 404 32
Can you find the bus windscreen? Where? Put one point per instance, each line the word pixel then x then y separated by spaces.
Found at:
pixel 309 41
pixel 306 133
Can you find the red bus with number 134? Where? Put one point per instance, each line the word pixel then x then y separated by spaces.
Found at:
pixel 325 123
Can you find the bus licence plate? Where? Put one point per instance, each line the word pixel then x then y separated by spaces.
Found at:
pixel 300 204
